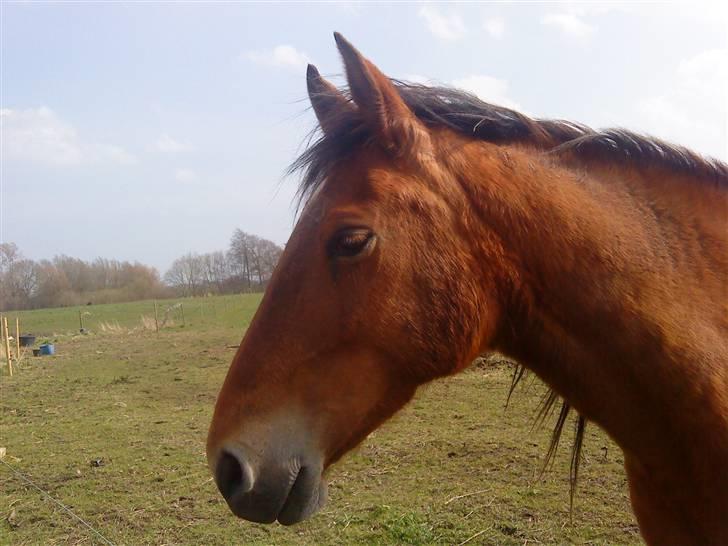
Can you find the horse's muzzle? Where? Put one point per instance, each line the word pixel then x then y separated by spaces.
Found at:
pixel 288 491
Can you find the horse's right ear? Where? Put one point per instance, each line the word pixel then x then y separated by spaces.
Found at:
pixel 327 101
pixel 381 106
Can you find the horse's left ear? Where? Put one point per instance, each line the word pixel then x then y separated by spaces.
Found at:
pixel 329 105
pixel 396 126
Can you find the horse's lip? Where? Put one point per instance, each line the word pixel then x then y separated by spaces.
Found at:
pixel 305 494
pixel 304 497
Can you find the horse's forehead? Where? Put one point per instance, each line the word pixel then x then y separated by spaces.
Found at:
pixel 324 200
pixel 349 185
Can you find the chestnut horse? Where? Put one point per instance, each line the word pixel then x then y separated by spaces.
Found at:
pixel 435 228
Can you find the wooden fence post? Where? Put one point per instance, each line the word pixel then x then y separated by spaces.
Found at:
pixel 7 345
pixel 17 338
pixel 2 340
pixel 182 308
pixel 156 317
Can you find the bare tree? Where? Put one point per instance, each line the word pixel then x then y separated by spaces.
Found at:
pixel 215 270
pixel 186 273
pixel 240 254
pixel 9 253
pixel 24 279
pixel 253 258
pixel 18 278
pixel 267 255
pixel 52 285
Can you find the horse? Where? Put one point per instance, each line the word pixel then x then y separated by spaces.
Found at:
pixel 434 228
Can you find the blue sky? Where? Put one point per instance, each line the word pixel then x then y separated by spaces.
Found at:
pixel 145 131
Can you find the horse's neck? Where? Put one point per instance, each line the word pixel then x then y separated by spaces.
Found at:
pixel 607 308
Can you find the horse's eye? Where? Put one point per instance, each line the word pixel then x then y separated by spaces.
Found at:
pixel 350 242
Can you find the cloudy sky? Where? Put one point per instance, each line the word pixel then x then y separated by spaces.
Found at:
pixel 144 131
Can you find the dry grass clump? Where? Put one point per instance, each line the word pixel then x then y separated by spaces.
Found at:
pixel 112 327
pixel 147 323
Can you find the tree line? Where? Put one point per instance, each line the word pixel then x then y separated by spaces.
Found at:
pixel 246 266
pixel 65 281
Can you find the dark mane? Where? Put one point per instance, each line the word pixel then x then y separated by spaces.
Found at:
pixel 466 114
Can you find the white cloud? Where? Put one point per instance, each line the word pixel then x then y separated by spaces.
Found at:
pixel 38 135
pixel 166 144
pixel 706 76
pixel 714 14
pixel 495 27
pixel 446 27
pixel 284 56
pixel 185 176
pixel 596 9
pixel 114 154
pixel 489 89
pixel 569 24
pixel 664 112
pixel 692 110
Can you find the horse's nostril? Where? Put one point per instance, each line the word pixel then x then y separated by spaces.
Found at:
pixel 233 475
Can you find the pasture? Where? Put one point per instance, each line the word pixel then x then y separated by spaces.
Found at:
pixel 114 427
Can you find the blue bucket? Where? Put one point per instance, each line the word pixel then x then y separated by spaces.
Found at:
pixel 47 349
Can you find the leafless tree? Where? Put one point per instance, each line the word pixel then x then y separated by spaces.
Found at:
pixel 215 270
pixel 9 253
pixel 253 258
pixel 187 274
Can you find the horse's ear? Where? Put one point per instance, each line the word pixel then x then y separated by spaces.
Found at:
pixel 398 129
pixel 328 103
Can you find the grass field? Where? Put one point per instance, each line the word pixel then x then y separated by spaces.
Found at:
pixel 114 427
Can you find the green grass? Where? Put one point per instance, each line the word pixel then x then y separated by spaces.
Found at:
pixel 231 311
pixel 454 464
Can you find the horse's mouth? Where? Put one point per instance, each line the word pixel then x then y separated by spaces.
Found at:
pixel 288 493
pixel 305 497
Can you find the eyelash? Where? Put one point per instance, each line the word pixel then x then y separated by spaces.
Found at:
pixel 349 242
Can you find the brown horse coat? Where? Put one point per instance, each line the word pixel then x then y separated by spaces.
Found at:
pixel 437 227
